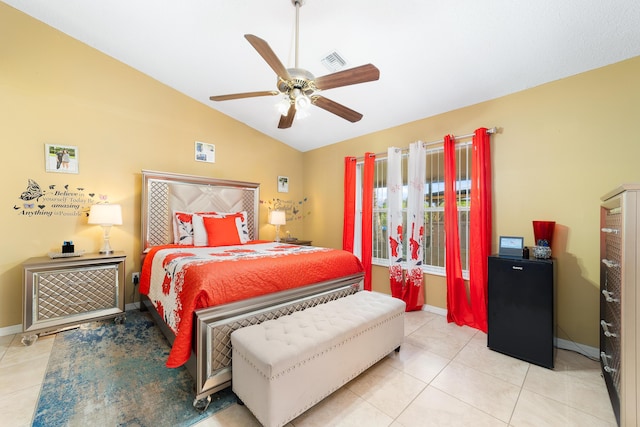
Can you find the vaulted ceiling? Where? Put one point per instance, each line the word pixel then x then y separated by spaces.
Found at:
pixel 434 56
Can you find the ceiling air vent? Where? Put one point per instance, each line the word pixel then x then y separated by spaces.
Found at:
pixel 334 62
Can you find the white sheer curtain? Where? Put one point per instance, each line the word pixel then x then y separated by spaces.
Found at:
pixel 395 220
pixel 414 295
pixel 407 288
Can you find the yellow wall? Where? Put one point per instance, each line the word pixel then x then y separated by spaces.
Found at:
pixel 56 90
pixel 561 147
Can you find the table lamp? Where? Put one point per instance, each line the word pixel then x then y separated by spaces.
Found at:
pixel 277 218
pixel 106 215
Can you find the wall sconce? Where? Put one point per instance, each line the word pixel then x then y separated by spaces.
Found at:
pixel 277 218
pixel 105 215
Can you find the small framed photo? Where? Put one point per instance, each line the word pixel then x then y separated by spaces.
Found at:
pixel 283 184
pixel 205 152
pixel 61 158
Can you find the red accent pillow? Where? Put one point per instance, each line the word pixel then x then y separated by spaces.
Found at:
pixel 221 231
pixel 183 227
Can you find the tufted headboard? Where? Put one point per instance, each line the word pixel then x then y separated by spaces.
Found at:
pixel 166 192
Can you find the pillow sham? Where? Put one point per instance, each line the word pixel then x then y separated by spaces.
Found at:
pixel 221 231
pixel 183 227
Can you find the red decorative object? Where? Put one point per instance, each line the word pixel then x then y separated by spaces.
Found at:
pixel 543 230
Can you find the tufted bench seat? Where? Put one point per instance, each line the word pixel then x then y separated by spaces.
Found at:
pixel 282 367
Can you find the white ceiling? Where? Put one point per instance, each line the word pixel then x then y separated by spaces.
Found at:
pixel 434 55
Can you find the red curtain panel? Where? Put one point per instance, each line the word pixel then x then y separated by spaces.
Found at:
pixel 480 226
pixel 458 309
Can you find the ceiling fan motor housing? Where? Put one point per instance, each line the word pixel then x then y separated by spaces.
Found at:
pixel 301 79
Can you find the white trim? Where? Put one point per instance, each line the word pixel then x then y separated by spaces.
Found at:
pixel 426 269
pixel 585 350
pixel 10 330
pixel 435 310
pixel 17 329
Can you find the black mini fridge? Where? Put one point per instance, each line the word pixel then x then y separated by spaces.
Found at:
pixel 520 302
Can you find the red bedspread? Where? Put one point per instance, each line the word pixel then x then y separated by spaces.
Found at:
pixel 181 279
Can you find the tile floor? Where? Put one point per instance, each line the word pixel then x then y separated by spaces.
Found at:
pixel 444 375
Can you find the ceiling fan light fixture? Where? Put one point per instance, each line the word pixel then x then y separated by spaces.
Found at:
pixel 302 102
pixel 283 105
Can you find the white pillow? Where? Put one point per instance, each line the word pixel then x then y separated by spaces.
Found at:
pixel 182 228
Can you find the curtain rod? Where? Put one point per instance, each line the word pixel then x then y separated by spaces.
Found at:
pixel 426 144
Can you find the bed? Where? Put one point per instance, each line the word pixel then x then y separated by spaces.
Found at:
pixel 208 330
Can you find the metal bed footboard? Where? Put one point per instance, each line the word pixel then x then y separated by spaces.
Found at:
pixel 210 361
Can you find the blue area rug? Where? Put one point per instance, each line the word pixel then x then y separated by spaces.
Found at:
pixel 108 374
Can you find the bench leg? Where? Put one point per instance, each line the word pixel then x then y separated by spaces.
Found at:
pixel 238 400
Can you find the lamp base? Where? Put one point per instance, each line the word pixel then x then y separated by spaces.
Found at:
pixel 106 246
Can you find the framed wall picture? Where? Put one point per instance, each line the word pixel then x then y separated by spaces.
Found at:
pixel 283 184
pixel 205 152
pixel 61 158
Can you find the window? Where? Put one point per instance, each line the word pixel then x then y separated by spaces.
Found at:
pixel 434 239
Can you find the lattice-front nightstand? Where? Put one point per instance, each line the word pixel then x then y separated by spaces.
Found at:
pixel 64 292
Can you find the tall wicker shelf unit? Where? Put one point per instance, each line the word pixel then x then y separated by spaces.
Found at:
pixel 620 300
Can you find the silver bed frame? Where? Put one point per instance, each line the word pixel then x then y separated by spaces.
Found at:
pixel 210 361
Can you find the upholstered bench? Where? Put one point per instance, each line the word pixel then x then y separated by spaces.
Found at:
pixel 282 367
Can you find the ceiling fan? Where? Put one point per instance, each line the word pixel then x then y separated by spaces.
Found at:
pixel 299 87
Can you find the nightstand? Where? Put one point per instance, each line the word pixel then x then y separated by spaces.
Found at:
pixel 64 292
pixel 293 241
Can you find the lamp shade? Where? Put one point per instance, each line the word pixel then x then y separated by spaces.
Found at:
pixel 277 218
pixel 105 214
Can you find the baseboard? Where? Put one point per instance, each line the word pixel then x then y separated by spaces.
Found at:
pixel 434 309
pixel 132 306
pixel 10 330
pixel 17 329
pixel 585 350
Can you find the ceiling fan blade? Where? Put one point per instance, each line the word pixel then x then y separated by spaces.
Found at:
pixel 352 76
pixel 287 121
pixel 335 108
pixel 268 55
pixel 243 95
